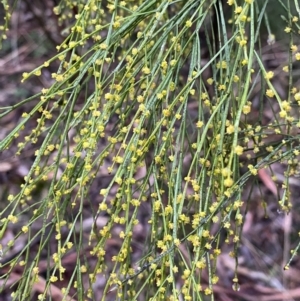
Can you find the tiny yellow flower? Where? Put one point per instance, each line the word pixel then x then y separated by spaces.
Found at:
pixel 83 269
pixel 199 124
pixel 116 24
pixel 103 46
pixel 297 96
pixel 287 29
pixel 236 78
pixel 192 91
pixel 285 68
pixel 252 169
pixel 243 42
pixel 35 270
pixel 25 75
pixel 270 93
pixel 246 109
pixel 230 129
pixel 222 87
pixel 239 150
pixel 222 64
pixel 294 48
pixel 208 246
pixel 134 51
pixel 25 229
pixel 38 72
pixel 173 62
pixel 171 158
pixel 238 10
pixel 283 114
pixel 164 65
pixel 244 62
pixel 188 23
pixel 271 39
pixel 228 182
pixel 103 191
pixel 210 81
pixel 146 70
pixel 53 279
pixel 269 75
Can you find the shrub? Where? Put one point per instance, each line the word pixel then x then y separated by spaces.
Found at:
pixel 158 107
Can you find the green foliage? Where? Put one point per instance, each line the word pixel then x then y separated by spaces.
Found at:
pixel 158 97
